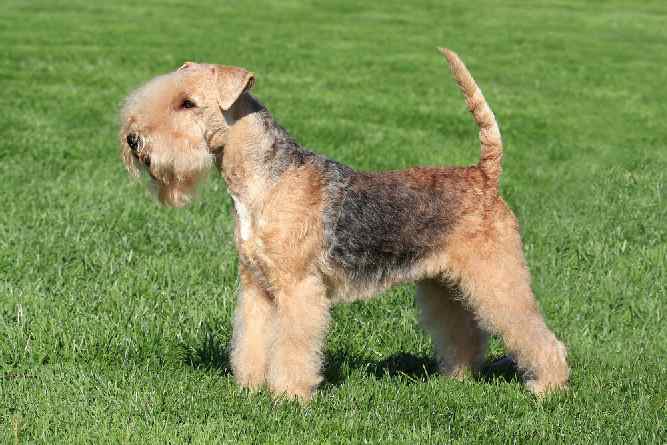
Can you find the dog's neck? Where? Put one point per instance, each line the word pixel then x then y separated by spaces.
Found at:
pixel 257 150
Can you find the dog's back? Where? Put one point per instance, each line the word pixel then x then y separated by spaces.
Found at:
pixel 378 226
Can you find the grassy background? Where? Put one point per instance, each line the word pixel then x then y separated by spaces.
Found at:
pixel 115 313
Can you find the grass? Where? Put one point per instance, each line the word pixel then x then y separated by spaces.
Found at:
pixel 115 313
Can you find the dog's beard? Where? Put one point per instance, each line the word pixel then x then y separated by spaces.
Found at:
pixel 172 195
pixel 177 193
pixel 177 183
pixel 174 177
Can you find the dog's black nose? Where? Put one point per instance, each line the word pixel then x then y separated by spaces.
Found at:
pixel 133 141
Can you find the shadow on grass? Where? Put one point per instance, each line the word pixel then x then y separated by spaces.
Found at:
pixel 340 364
pixel 209 352
pixel 502 368
pixel 415 368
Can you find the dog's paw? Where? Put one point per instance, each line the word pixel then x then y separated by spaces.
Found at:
pixel 250 379
pixel 540 388
pixel 301 393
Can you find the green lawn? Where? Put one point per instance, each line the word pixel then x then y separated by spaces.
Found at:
pixel 115 313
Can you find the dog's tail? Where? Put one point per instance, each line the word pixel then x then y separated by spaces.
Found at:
pixel 489 134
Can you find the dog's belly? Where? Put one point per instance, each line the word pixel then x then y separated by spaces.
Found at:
pixel 380 226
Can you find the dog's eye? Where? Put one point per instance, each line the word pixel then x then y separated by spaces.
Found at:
pixel 187 103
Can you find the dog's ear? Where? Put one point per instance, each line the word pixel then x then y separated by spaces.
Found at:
pixel 231 82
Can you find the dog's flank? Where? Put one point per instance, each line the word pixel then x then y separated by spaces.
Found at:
pixel 312 232
pixel 381 223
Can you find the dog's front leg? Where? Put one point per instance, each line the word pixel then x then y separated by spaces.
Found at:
pixel 302 317
pixel 253 324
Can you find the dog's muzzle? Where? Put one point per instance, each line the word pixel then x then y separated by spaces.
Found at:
pixel 134 142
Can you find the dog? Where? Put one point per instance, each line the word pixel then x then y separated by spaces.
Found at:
pixel 312 232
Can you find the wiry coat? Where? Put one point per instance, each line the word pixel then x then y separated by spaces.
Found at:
pixel 311 231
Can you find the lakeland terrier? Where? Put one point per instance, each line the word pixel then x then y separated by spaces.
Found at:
pixel 312 232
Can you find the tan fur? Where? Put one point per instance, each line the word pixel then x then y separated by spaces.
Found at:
pixel 253 319
pixel 459 341
pixel 287 232
pixel 473 281
pixel 489 133
pixel 487 261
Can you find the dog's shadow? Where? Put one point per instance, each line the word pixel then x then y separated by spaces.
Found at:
pixel 211 352
pixel 411 367
pixel 208 352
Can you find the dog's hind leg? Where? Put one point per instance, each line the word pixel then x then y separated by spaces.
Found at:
pixel 491 270
pixel 460 344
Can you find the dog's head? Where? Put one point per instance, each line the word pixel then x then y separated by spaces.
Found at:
pixel 173 126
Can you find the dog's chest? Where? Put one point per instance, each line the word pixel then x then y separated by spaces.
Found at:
pixel 244 218
pixel 250 228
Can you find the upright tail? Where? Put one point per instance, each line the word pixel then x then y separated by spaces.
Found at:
pixel 489 134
